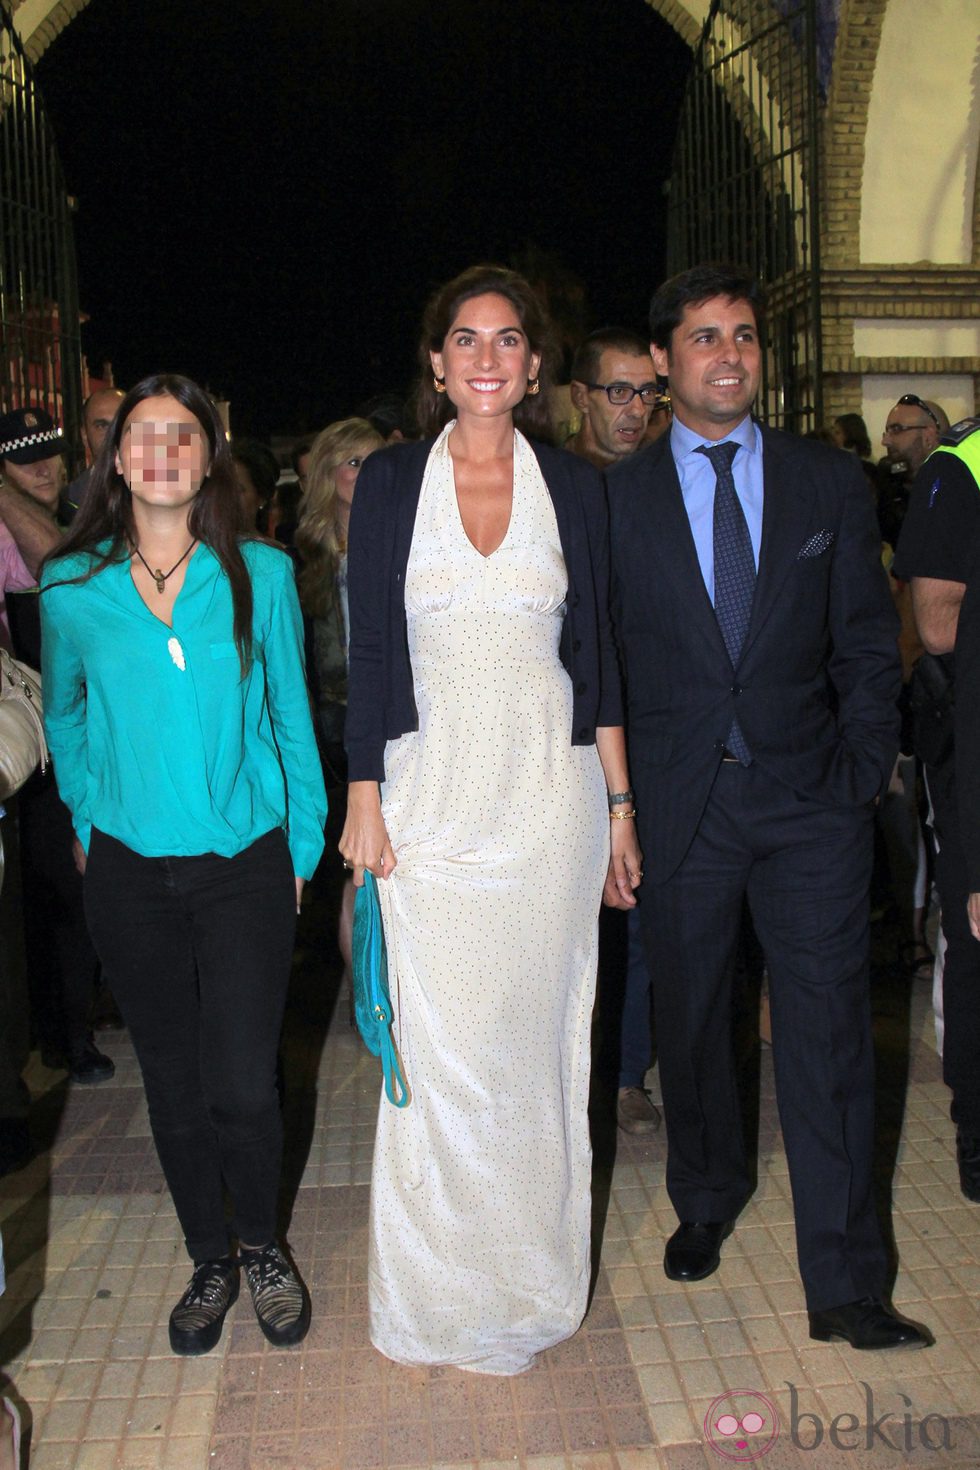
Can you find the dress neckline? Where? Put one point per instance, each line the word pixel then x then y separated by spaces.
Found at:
pixel 443 447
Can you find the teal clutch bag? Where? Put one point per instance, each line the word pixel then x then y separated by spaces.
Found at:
pixel 372 1000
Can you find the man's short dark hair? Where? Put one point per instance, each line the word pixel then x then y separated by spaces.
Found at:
pixel 585 363
pixel 702 283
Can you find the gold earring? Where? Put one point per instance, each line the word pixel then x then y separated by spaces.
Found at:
pixel 439 384
pixel 533 386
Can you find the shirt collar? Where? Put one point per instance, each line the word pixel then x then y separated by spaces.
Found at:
pixel 684 441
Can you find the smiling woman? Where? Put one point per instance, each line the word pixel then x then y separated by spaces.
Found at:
pixel 484 697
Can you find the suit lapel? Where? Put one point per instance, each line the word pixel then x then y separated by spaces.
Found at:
pixel 788 497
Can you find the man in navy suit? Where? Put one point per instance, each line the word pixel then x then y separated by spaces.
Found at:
pixel 759 651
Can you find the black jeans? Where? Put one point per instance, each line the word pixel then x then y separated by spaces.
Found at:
pixel 199 950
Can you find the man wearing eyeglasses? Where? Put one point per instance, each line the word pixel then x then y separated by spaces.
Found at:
pixel 937 554
pixel 911 433
pixel 913 430
pixel 614 388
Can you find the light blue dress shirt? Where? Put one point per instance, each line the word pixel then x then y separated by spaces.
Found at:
pixel 157 739
pixel 697 478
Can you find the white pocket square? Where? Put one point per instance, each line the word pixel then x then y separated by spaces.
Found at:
pixel 817 543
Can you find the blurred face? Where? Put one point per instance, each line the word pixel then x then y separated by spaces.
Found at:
pixel 910 436
pixel 99 414
pixel 345 476
pixel 162 454
pixel 713 365
pixel 43 480
pixel 614 430
pixel 486 359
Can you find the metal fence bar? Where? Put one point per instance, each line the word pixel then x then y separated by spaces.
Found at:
pixel 745 182
pixel 40 346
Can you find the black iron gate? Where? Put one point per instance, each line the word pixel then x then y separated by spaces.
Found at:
pixel 744 185
pixel 40 355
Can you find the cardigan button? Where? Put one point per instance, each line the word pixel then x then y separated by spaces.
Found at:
pixel 583 734
pixel 581 687
pixel 577 646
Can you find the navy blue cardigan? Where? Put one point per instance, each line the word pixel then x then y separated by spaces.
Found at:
pixel 380 694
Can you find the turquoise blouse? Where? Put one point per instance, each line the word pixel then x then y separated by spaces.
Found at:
pixel 156 738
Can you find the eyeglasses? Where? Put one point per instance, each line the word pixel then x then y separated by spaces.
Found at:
pixel 620 394
pixel 914 401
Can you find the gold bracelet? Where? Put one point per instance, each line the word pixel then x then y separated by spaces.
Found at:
pixel 622 816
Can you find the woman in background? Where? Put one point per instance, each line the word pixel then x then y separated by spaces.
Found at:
pixel 257 473
pixel 335 462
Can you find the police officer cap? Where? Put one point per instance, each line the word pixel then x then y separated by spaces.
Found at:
pixel 29 434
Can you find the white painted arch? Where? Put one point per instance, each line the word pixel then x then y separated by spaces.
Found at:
pixel 918 191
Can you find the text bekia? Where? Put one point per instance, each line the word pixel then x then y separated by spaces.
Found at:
pixel 897 1430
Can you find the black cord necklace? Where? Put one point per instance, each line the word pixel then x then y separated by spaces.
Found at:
pixel 160 578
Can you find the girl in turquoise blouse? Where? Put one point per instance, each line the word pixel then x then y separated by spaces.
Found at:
pixel 178 719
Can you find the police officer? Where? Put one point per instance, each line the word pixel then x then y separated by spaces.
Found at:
pixel 937 553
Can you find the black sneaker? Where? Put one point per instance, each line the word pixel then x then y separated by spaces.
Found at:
pixel 197 1319
pixel 87 1065
pixel 279 1297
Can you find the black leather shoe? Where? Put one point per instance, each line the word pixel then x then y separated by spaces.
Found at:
pixel 869 1326
pixel 88 1065
pixel 694 1250
pixel 968 1158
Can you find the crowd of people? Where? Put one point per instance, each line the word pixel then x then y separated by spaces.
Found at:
pixel 663 665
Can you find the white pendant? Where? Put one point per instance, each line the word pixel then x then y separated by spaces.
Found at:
pixel 176 653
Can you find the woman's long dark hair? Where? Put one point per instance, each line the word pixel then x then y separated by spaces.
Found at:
pixel 433 410
pixel 215 519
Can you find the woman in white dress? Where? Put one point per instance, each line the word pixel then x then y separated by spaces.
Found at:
pixel 489 790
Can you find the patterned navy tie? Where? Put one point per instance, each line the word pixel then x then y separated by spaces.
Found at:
pixel 734 570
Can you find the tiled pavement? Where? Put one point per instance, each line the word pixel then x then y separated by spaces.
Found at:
pixel 95 1265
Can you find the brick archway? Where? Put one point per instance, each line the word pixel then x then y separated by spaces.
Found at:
pixel 884 319
pixel 901 209
pixel 38 22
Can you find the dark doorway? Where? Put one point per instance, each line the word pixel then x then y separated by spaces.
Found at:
pixel 268 193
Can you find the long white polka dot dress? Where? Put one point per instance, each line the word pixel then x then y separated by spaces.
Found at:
pixel 480 1195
